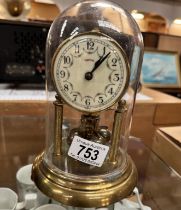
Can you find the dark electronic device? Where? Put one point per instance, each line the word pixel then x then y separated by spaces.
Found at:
pixel 22 51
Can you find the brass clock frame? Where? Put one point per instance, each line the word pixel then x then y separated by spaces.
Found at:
pixel 83 192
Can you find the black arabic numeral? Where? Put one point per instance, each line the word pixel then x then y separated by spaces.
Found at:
pixel 110 91
pixel 82 148
pixel 101 100
pixel 90 45
pixel 67 59
pixel 66 87
pixel 88 153
pixel 116 77
pixel 75 97
pixel 96 153
pixel 76 48
pixel 62 74
pixel 87 101
pixel 114 62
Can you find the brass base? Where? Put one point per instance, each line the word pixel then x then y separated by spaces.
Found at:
pixel 83 192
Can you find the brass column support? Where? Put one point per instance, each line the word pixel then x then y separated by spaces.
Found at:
pixel 116 131
pixel 57 149
pixel 80 191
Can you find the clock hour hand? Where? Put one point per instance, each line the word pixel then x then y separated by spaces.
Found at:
pixel 89 75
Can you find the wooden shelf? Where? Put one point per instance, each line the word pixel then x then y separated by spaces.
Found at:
pixel 161 110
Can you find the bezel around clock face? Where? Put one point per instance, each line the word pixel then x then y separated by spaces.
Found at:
pixel 77 56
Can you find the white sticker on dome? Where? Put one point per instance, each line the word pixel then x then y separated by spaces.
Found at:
pixel 87 151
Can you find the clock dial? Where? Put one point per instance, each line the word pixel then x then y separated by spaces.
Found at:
pixel 90 72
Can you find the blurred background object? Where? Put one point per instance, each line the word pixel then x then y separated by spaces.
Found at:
pixel 150 22
pixel 14 9
pixel 26 10
pixel 22 51
pixel 43 10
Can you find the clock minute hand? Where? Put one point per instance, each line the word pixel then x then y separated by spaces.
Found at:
pixel 89 75
pixel 98 63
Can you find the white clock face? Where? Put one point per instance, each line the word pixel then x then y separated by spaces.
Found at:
pixel 90 72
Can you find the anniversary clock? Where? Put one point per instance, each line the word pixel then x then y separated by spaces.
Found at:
pixel 93 60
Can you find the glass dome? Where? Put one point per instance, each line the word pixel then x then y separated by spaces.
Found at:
pixel 93 61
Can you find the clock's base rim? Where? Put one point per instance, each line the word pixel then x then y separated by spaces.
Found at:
pixel 83 194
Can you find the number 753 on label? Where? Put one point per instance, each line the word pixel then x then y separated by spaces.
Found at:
pixel 87 151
